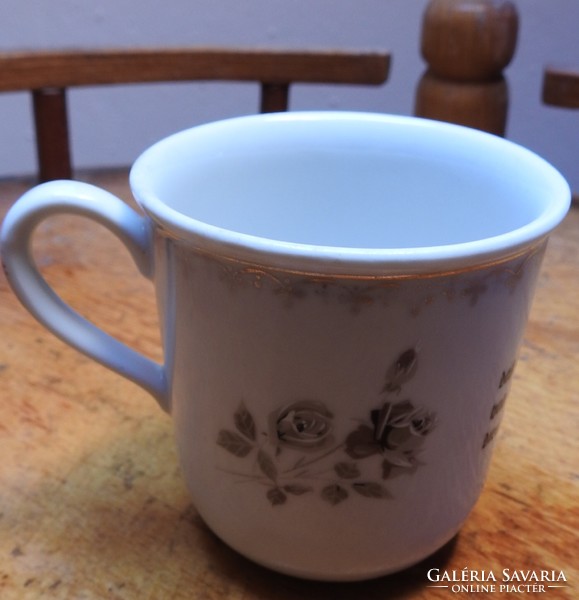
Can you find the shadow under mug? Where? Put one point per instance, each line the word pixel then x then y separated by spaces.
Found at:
pixel 342 298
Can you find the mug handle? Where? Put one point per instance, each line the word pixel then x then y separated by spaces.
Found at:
pixel 73 197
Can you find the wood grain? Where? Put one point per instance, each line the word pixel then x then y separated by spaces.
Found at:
pixel 466 45
pixel 92 503
pixel 52 133
pixel 561 87
pixel 68 68
pixel 49 74
pixel 469 40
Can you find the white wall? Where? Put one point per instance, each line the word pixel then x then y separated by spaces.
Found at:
pixel 111 127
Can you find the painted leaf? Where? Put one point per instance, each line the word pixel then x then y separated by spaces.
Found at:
pixel 334 494
pixel 300 462
pixel 371 489
pixel 276 496
pixel 386 469
pixel 347 470
pixel 402 370
pixel 266 465
pixel 296 489
pixel 399 459
pixel 244 422
pixel 234 443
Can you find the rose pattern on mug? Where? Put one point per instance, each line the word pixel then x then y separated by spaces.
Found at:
pixel 298 452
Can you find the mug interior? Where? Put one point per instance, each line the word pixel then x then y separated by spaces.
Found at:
pixel 350 182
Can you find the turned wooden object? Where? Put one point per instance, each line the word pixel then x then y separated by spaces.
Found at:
pixel 467 44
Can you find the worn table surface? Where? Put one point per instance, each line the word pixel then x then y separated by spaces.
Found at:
pixel 92 504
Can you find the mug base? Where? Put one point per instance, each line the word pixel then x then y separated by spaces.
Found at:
pixel 437 554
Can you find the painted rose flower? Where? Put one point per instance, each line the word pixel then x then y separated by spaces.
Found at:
pixel 396 432
pixel 320 461
pixel 305 424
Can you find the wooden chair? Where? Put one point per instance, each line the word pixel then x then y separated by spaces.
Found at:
pixel 466 44
pixel 48 75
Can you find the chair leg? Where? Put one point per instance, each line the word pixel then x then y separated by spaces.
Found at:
pixel 274 97
pixel 52 137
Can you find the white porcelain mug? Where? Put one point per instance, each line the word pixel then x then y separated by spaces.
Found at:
pixel 342 297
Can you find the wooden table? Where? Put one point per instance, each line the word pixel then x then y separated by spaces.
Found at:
pixel 92 504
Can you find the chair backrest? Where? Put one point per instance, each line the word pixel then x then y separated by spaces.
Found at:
pixel 48 75
pixel 561 87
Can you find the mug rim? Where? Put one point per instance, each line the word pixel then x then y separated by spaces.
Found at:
pixel 300 257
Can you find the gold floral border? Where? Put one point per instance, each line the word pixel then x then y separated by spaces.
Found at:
pixel 276 273
pixel 360 291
